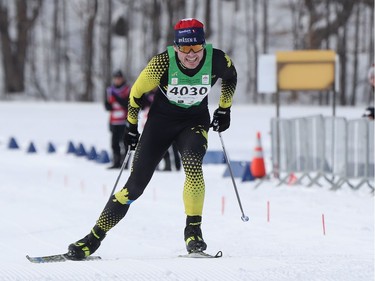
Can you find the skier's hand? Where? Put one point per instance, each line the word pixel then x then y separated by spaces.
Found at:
pixel 107 106
pixel 221 119
pixel 131 135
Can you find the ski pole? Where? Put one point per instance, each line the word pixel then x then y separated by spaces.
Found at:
pixel 127 156
pixel 243 217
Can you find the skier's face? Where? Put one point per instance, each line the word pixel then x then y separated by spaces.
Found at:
pixel 190 56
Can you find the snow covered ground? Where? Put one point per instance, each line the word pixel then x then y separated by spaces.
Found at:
pixel 50 200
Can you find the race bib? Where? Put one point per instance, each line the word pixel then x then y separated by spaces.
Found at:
pixel 186 95
pixel 186 91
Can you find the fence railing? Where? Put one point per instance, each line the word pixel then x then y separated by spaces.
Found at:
pixel 337 150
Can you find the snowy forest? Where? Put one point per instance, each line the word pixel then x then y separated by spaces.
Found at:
pixel 66 50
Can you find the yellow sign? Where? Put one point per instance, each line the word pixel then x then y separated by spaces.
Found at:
pixel 306 70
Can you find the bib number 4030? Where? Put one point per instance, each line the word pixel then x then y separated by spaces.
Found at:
pixel 193 91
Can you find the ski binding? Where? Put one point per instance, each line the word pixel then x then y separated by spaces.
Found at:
pixel 201 254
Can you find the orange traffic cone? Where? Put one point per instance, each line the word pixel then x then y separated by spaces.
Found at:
pixel 292 179
pixel 257 167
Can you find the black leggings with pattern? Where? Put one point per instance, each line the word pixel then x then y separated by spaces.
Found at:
pixel 190 135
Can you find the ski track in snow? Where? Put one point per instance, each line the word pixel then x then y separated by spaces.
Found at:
pixel 227 268
pixel 50 200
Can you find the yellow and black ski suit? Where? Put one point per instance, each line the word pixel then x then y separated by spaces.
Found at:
pixel 167 123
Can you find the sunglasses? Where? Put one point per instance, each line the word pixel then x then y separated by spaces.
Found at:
pixel 187 49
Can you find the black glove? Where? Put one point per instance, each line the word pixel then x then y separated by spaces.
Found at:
pixel 221 119
pixel 131 135
pixel 107 105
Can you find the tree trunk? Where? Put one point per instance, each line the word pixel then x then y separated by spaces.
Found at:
pixel 156 23
pixel 296 11
pixel 65 52
pixel 265 27
pixel 255 49
pixel 219 23
pixel 15 49
pixel 341 49
pixel 327 94
pixel 34 71
pixel 207 18
pixel 89 53
pixel 353 97
pixel 175 12
pixel 106 43
pixel 129 41
pixel 195 8
pixel 248 49
pixel 370 98
pixel 57 39
pixel 318 32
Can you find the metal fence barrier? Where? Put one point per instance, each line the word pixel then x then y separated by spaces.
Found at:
pixel 332 148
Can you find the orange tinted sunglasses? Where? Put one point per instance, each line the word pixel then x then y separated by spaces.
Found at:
pixel 188 48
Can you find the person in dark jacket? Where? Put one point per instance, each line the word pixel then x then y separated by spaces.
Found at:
pixel 369 113
pixel 116 102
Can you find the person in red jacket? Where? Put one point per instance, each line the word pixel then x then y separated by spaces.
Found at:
pixel 116 102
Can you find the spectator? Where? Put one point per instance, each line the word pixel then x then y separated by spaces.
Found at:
pixel 116 102
pixel 369 113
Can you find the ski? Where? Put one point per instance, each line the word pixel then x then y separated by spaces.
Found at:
pixel 66 257
pixel 198 255
pixel 58 258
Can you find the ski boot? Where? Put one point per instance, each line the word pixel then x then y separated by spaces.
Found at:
pixel 193 235
pixel 116 162
pixel 87 245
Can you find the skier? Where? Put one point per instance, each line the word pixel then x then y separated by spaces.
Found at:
pixel 184 75
pixel 116 102
pixel 369 113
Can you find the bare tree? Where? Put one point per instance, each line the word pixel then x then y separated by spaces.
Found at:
pixel 353 97
pixel 65 52
pixel 15 49
pixel 195 7
pixel 27 30
pixel 156 23
pixel 265 9
pixel 88 51
pixel 207 18
pixel 317 33
pixel 248 33
pixel 370 98
pixel 341 50
pixel 106 42
pixel 34 79
pixel 297 13
pixel 56 40
pixel 175 11
pixel 129 39
pixel 219 22
pixel 255 48
pixel 152 12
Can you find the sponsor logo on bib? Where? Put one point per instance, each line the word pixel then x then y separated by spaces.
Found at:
pixel 205 79
pixel 174 81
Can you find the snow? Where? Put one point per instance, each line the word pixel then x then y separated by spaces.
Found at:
pixel 50 200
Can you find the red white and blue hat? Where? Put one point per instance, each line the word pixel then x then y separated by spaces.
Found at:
pixel 189 32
